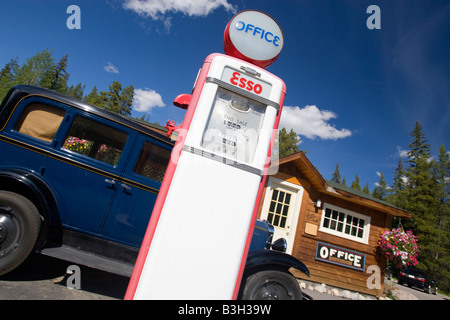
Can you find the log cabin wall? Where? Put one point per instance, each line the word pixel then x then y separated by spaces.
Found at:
pixel 308 235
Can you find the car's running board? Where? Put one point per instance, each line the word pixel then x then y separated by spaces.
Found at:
pixel 89 260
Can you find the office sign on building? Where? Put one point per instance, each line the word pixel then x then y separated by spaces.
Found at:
pixel 340 256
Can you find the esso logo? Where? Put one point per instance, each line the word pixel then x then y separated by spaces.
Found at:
pixel 244 83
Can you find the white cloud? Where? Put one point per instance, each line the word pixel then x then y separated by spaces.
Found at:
pixel 402 153
pixel 156 9
pixel 109 67
pixel 312 123
pixel 146 99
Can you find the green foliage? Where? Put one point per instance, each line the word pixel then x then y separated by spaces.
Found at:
pixel 336 177
pixel 42 71
pixel 116 99
pixel 366 189
pixel 356 183
pixel 289 142
pixel 381 190
pixel 37 70
pixel 7 77
pixel 423 189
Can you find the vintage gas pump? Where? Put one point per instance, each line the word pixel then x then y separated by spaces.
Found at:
pixel 200 230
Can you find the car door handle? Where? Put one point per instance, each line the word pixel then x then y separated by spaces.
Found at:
pixel 123 185
pixel 111 182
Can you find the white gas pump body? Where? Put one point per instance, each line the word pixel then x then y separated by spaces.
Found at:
pixel 200 230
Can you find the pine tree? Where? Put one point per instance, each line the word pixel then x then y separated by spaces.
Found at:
pixel 366 189
pixel 441 174
pixel 419 148
pixel 76 91
pixel 288 142
pixel 7 77
pixel 396 194
pixel 419 188
pixel 421 200
pixel 60 76
pixel 116 99
pixel 93 97
pixel 336 177
pixel 381 190
pixel 356 183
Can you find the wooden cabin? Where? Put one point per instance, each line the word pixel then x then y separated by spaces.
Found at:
pixel 331 228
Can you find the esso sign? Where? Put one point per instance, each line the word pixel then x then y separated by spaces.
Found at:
pixel 238 80
pixel 255 37
pixel 246 82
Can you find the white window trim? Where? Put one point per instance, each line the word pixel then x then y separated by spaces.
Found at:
pixel 341 234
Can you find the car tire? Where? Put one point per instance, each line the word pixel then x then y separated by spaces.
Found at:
pixel 271 285
pixel 20 223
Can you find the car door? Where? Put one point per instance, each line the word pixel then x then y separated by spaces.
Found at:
pixel 84 168
pixel 137 191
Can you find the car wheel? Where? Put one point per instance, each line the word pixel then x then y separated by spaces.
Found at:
pixel 20 224
pixel 271 285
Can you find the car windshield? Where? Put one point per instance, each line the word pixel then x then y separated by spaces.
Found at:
pixel 414 272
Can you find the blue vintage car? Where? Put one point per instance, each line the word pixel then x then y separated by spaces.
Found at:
pixel 79 183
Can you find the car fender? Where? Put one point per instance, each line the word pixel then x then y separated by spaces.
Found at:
pixel 266 259
pixel 37 191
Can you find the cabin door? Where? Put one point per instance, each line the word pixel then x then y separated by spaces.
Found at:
pixel 281 208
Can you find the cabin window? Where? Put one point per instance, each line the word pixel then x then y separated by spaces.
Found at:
pixel 345 223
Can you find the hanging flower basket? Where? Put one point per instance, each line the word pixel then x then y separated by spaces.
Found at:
pixel 400 247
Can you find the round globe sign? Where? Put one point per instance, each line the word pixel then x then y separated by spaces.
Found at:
pixel 253 36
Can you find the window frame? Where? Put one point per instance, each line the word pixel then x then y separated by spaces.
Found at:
pixel 342 234
pixel 283 204
pixel 89 117
pixel 139 152
pixel 15 117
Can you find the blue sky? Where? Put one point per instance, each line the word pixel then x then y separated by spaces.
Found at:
pixel 353 93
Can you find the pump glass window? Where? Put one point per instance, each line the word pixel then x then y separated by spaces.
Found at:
pixel 233 126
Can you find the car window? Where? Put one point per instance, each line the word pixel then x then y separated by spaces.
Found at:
pixel 95 140
pixel 152 161
pixel 40 121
